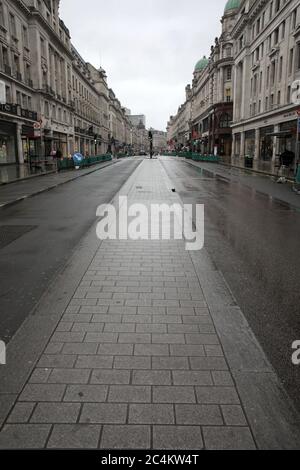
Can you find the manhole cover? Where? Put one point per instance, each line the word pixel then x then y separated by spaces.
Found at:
pixel 10 233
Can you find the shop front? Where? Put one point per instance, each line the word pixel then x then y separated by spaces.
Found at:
pixel 289 137
pixel 8 143
pixel 29 144
pixel 249 148
pixel 266 149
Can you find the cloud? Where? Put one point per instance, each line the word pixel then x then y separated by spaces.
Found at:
pixel 147 47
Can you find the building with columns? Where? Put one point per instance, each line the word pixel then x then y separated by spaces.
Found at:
pixel 54 99
pixel 203 122
pixel 243 100
pixel 267 64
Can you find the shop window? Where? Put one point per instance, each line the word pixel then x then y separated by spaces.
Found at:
pixel 225 120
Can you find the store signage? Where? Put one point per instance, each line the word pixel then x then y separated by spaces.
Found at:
pixel 2 93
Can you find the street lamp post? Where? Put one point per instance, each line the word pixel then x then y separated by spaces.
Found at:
pixel 151 143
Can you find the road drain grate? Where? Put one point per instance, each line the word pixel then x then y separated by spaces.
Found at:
pixel 10 233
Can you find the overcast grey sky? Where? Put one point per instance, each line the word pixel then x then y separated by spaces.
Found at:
pixel 147 47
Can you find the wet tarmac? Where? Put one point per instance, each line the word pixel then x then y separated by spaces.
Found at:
pixel 254 241
pixel 38 236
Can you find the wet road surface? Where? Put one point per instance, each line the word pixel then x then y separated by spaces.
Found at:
pixel 255 242
pixel 38 235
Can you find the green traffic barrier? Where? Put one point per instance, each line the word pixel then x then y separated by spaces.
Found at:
pixel 205 158
pixel 68 163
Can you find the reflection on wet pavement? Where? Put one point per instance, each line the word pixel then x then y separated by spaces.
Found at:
pixel 254 239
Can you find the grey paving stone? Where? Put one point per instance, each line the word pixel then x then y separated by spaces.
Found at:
pixel 129 394
pixel 151 350
pixel 21 413
pixel 202 339
pixel 217 395
pixel 199 415
pixel 104 413
pixel 197 320
pixel 168 319
pixel 122 310
pixel 73 309
pixel 55 413
pixel 99 309
pixel 151 310
pixel 153 328
pixel 173 395
pixel 57 361
pixel 86 393
pixel 77 318
pixel 64 326
pixel 80 348
pixel 187 350
pixel 213 351
pixel 107 318
pixel 111 377
pixel 234 415
pixel 151 377
pixel 168 339
pixel 126 437
pixel 170 363
pixel 151 414
pixel 192 378
pixel 208 363
pixel 69 376
pixel 101 338
pixel 54 348
pixel 183 329
pixel 181 311
pixel 115 349
pixel 24 436
pixel 74 437
pixel 134 338
pixel 42 392
pixel 67 337
pixel 228 438
pixel 119 328
pixel 39 376
pixel 177 437
pixel 222 378
pixel 137 319
pixel 94 362
pixel 132 362
pixel 88 327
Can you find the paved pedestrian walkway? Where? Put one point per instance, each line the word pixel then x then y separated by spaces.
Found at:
pixel 150 352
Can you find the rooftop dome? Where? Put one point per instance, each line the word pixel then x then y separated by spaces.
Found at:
pixel 232 5
pixel 201 64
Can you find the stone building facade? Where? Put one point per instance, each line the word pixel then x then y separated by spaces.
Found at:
pixel 203 122
pixel 54 99
pixel 243 98
pixel 267 65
